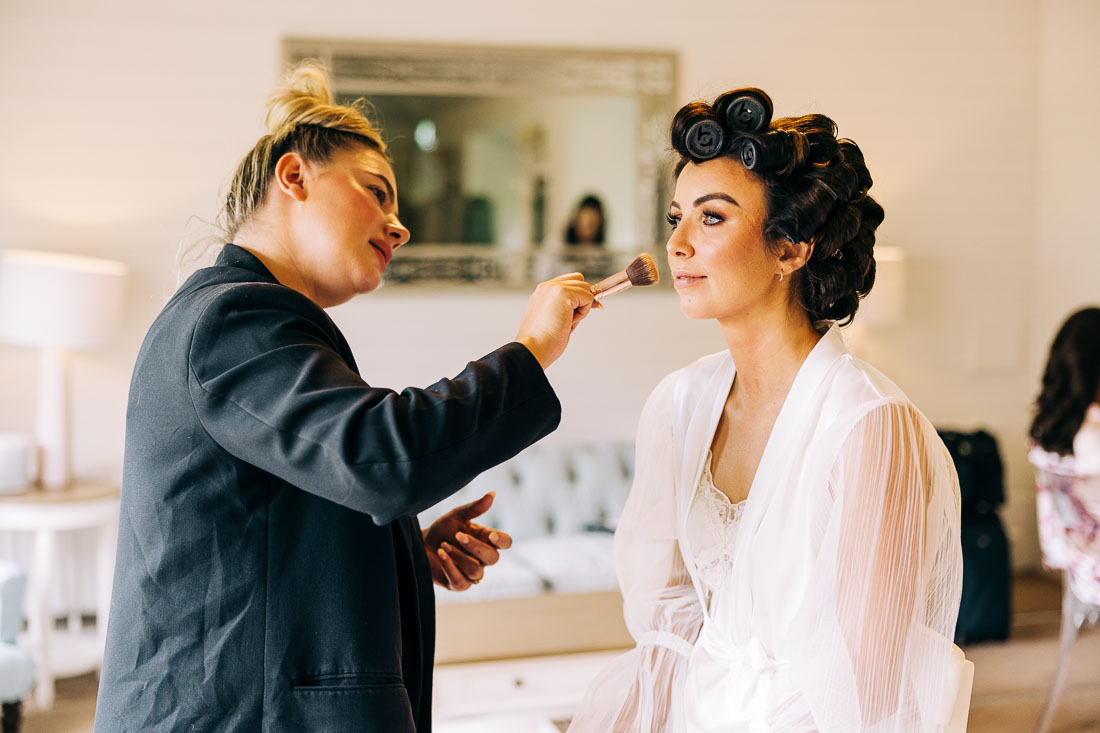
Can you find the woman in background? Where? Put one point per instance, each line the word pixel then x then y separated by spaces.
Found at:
pixel 1065 450
pixel 271 573
pixel 790 552
pixel 1067 413
pixel 588 225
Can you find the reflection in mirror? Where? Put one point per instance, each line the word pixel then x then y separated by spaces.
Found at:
pixel 514 165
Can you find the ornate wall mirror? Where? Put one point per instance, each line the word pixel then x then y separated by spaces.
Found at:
pixel 496 149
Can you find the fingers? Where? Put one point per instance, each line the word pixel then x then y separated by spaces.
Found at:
pixel 580 294
pixel 461 570
pixel 454 577
pixel 482 551
pixel 567 276
pixel 574 286
pixel 488 535
pixel 550 316
pixel 580 313
pixel 467 564
pixel 467 512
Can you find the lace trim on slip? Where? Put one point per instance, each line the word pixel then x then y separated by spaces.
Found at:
pixel 713 520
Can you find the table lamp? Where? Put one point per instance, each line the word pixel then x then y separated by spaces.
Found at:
pixel 57 302
pixel 883 306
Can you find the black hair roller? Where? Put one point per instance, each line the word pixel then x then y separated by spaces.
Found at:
pixel 745 110
pixel 767 152
pixel 704 139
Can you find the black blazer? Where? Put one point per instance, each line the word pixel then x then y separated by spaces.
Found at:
pixel 271 573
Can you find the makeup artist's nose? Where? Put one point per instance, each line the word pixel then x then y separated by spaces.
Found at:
pixel 396 232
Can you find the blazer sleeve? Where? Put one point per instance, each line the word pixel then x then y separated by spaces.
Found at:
pixel 270 386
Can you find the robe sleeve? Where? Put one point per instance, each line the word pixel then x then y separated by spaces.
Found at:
pixel 660 605
pixel 874 647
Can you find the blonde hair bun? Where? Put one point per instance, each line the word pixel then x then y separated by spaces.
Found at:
pixel 304 97
pixel 304 118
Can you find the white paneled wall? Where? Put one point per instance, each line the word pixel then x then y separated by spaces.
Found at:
pixel 124 119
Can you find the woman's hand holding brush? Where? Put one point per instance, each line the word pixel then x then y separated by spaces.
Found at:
pixel 553 311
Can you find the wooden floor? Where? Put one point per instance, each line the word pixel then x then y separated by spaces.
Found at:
pixel 1010 680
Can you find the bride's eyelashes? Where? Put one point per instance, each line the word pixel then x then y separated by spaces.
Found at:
pixel 708 218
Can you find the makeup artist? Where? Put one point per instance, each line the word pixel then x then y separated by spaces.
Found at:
pixel 271 573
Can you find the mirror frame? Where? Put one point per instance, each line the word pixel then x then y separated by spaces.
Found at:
pixel 362 68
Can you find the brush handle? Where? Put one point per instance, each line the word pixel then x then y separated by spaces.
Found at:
pixel 617 288
pixel 611 285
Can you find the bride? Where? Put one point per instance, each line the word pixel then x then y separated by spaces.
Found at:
pixel 789 555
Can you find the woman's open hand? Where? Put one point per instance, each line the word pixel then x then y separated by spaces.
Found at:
pixel 459 550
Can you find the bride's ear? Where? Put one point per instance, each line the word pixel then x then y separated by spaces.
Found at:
pixel 793 256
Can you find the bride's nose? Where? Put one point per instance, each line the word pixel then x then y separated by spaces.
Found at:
pixel 677 245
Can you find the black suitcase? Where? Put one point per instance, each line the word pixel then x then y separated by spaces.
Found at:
pixel 985 611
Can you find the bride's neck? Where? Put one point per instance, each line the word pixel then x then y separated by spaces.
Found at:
pixel 768 358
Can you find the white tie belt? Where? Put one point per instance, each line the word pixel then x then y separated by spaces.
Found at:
pixel 751 671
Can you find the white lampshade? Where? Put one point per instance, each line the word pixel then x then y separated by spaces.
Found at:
pixel 57 302
pixel 885 303
pixel 61 300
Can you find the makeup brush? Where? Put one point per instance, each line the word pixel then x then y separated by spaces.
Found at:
pixel 642 271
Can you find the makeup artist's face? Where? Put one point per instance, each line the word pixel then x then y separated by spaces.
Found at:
pixel 719 261
pixel 346 228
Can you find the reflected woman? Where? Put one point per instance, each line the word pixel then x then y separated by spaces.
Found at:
pixel 790 553
pixel 588 224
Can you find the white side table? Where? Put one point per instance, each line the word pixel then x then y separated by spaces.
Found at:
pixel 45 514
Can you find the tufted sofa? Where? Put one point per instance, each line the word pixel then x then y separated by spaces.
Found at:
pixel 532 635
pixel 560 504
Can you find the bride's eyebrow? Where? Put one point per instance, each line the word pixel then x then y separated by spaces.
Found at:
pixel 711 196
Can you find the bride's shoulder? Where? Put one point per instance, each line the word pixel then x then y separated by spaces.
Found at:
pixel 857 395
pixel 685 385
pixel 697 375
pixel 703 368
pixel 858 386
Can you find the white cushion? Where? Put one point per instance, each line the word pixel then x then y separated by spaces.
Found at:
pixel 551 489
pixel 575 563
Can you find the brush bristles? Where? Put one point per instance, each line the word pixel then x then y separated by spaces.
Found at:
pixel 643 271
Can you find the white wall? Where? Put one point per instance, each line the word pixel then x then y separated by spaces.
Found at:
pixel 1066 257
pixel 122 119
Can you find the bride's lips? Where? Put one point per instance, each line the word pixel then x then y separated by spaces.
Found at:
pixel 686 279
pixel 384 252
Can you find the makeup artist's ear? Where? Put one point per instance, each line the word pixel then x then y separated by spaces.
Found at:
pixel 793 256
pixel 290 176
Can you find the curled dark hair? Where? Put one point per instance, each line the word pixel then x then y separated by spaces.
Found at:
pixel 816 190
pixel 1071 382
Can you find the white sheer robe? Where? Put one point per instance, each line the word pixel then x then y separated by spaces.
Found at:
pixel 841 606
